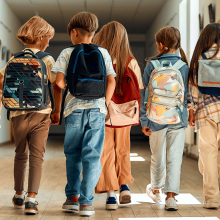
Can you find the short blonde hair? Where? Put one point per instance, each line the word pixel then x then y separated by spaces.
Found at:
pixel 85 22
pixel 33 29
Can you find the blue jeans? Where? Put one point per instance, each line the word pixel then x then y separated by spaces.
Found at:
pixel 167 150
pixel 83 143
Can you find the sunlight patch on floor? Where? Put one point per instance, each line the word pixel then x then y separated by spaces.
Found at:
pixel 183 199
pixel 135 157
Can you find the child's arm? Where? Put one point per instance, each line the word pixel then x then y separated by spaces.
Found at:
pixel 191 118
pixel 110 88
pixel 144 120
pixel 57 92
pixel 1 81
pixel 192 103
pixel 60 80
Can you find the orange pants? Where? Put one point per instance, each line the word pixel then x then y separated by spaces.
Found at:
pixel 116 168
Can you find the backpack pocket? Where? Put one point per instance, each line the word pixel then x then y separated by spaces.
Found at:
pixel 123 114
pixel 84 87
pixel 164 110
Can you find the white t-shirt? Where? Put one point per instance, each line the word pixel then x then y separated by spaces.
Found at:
pixel 72 103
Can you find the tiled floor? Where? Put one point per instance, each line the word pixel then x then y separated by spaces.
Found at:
pixel 51 194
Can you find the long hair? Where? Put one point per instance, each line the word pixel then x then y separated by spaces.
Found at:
pixel 171 39
pixel 113 37
pixel 209 36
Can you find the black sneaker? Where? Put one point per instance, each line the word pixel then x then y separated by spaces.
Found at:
pixel 18 202
pixel 31 207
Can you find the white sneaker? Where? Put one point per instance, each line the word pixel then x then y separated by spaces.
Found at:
pixel 156 197
pixel 210 205
pixel 170 204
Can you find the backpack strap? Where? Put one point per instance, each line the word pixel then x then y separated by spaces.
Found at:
pixel 41 54
pixel 179 64
pixel 62 104
pixel 204 56
pixel 155 63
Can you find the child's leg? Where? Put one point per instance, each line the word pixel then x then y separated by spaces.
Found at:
pixel 74 124
pixel 158 158
pixel 208 155
pixel 175 146
pixel 108 179
pixel 20 127
pixel 39 125
pixel 123 164
pixel 93 141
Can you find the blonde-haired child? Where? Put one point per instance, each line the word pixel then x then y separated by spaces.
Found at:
pixel 166 140
pixel 31 128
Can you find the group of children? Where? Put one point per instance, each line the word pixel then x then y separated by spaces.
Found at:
pixel 102 153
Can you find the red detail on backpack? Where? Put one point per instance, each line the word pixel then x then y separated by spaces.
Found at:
pixel 130 90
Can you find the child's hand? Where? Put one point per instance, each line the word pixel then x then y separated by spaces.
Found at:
pixel 191 119
pixel 146 131
pixel 55 118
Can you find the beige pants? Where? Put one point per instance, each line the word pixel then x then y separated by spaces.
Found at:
pixel 116 169
pixel 31 132
pixel 209 159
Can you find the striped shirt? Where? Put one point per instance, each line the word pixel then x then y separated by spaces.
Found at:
pixel 72 103
pixel 204 106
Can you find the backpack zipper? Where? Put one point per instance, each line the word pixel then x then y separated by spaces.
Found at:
pixel 164 105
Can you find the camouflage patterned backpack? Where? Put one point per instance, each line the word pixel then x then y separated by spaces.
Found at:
pixel 25 83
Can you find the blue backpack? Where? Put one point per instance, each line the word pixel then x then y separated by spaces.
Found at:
pixel 209 76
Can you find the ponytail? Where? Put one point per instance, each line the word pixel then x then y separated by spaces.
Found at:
pixel 170 38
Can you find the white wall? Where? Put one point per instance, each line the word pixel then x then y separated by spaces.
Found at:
pixel 168 16
pixel 9 25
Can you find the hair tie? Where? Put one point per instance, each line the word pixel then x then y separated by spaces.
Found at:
pixel 180 48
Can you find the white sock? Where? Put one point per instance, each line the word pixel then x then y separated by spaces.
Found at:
pixel 111 194
pixel 29 199
pixel 20 196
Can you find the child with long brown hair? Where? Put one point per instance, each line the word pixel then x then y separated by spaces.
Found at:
pixel 31 128
pixel 166 140
pixel 204 114
pixel 116 171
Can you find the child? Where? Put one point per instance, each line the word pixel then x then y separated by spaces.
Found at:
pixel 116 171
pixel 204 115
pixel 31 127
pixel 84 120
pixel 166 141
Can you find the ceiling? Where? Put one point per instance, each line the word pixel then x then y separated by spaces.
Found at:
pixel 135 15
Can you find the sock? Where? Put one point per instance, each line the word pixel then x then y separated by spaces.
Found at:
pixel 29 199
pixel 111 194
pixel 20 196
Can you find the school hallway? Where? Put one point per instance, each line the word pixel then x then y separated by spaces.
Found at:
pixel 51 194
